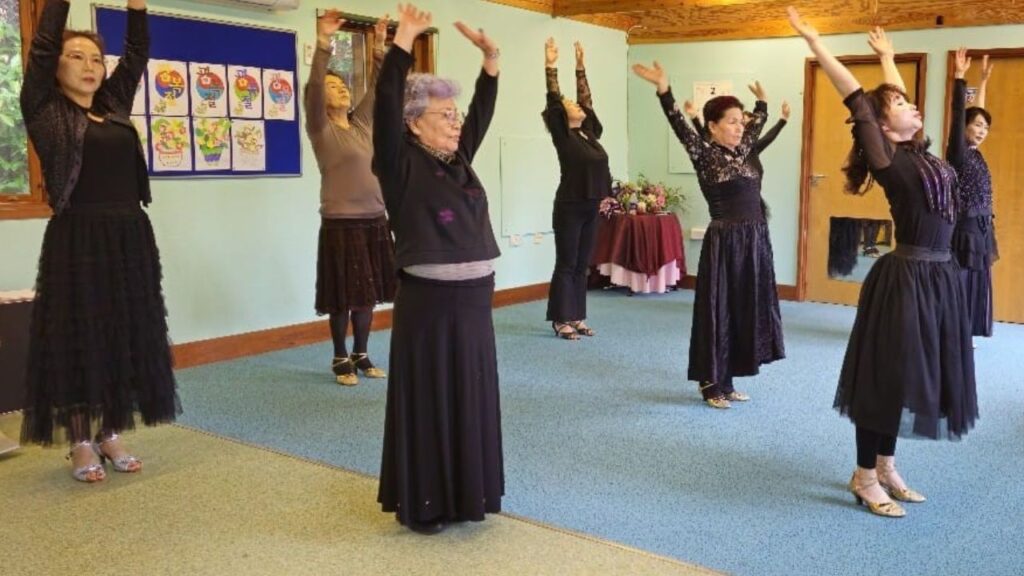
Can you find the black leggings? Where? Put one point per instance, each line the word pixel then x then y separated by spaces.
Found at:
pixel 871 445
pixel 361 322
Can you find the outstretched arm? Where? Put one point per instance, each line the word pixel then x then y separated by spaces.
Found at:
pixel 838 74
pixel 583 95
pixel 554 110
pixel 656 75
pixel 770 136
pixel 485 94
pixel 957 146
pixel 883 47
pixel 364 111
pixel 986 73
pixel 39 82
pixel 314 98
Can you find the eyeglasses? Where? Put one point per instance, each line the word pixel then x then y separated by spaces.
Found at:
pixel 454 117
pixel 80 58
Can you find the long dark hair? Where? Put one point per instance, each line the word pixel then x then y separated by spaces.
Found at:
pixel 858 174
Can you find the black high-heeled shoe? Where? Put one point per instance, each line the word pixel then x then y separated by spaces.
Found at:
pixel 565 331
pixel 582 328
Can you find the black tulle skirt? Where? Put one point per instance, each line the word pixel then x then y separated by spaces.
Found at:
pixel 736 322
pixel 909 366
pixel 98 348
pixel 355 264
pixel 442 456
pixel 974 244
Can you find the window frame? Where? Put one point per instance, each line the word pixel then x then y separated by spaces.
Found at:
pixel 34 204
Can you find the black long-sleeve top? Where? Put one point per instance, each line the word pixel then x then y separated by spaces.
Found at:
pixel 582 161
pixel 920 187
pixel 56 125
pixel 438 210
pixel 759 146
pixel 971 168
pixel 728 179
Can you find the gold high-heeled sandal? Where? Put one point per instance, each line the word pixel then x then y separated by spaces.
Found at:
pixel 344 371
pixel 362 363
pixel 721 402
pixel 737 396
pixel 886 509
pixel 83 473
pixel 903 495
pixel 124 463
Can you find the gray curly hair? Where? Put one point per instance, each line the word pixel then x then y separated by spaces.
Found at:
pixel 420 88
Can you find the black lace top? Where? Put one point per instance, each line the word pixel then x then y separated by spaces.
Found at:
pixel 971 168
pixel 729 180
pixel 583 162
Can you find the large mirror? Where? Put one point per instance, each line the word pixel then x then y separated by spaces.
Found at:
pixel 854 244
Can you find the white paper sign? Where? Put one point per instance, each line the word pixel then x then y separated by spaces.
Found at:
pixel 278 95
pixel 172 144
pixel 212 143
pixel 248 145
pixel 208 84
pixel 704 91
pixel 168 88
pixel 245 93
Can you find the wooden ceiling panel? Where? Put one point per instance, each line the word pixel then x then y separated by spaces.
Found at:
pixel 659 21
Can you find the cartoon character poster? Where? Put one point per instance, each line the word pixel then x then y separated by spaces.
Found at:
pixel 245 93
pixel 110 62
pixel 172 144
pixel 168 90
pixel 278 95
pixel 249 145
pixel 209 89
pixel 143 129
pixel 212 138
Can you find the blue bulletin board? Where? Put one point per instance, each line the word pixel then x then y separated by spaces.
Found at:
pixel 189 52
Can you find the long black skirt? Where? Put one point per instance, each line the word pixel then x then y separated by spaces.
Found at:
pixel 909 366
pixel 974 244
pixel 355 264
pixel 442 457
pixel 736 322
pixel 98 344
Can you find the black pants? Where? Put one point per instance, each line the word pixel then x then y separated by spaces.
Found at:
pixel 871 445
pixel 575 225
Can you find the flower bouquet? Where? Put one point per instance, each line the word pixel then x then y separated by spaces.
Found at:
pixel 641 197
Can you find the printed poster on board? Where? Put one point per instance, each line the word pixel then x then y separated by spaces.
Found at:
pixel 249 145
pixel 168 88
pixel 245 93
pixel 212 143
pixel 278 95
pixel 171 141
pixel 209 94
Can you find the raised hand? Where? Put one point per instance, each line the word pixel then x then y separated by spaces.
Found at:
pixel 655 75
pixel 579 55
pixel 802 28
pixel 986 69
pixel 479 39
pixel 880 43
pixel 328 24
pixel 963 63
pixel 380 32
pixel 758 91
pixel 690 109
pixel 550 53
pixel 785 110
pixel 411 23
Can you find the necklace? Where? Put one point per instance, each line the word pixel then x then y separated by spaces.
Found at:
pixel 446 157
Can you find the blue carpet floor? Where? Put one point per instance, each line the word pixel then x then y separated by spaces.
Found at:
pixel 605 436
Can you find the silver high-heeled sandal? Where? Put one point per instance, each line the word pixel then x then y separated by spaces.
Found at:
pixel 82 473
pixel 123 463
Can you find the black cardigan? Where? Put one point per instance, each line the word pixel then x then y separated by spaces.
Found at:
pixel 55 124
pixel 437 211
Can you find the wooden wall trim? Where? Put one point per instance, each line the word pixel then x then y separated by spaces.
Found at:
pixel 235 346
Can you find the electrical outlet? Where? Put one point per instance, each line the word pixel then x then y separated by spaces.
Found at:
pixel 538 238
pixel 515 239
pixel 697 233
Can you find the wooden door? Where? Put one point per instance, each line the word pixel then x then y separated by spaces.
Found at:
pixel 827 142
pixel 1004 152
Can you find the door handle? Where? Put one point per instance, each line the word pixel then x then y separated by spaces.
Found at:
pixel 815 178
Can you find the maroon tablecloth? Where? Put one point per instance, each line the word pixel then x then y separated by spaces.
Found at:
pixel 641 243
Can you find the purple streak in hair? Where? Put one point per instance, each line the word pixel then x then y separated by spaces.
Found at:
pixel 420 88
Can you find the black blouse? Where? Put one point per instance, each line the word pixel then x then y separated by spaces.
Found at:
pixel 582 160
pixel 105 176
pixel 971 168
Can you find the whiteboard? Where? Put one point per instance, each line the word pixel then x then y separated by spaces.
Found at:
pixel 529 178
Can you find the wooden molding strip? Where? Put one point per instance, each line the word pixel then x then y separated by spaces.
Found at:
pixel 235 346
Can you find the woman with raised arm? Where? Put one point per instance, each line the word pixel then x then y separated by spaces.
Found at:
pixel 442 458
pixel 585 180
pixel 736 321
pixel 974 239
pixel 909 367
pixel 355 259
pixel 98 346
